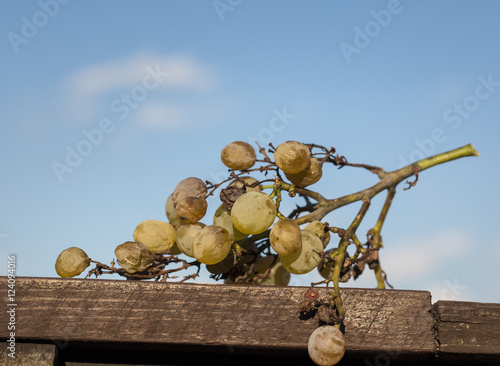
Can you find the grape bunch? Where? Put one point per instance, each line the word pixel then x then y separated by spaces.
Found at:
pixel 250 241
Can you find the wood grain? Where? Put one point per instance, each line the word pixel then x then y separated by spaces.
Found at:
pixel 246 317
pixel 468 328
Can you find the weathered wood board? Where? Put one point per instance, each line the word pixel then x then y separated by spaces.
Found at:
pixel 180 314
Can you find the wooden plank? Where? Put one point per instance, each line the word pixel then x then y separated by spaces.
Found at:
pixel 181 314
pixel 468 328
pixel 29 354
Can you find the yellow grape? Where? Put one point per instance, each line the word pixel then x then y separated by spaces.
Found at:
pixel 285 237
pixel 253 213
pixel 278 276
pixel 247 180
pixel 71 262
pixel 211 245
pixel 185 236
pixel 156 235
pixel 292 157
pixel 306 258
pixel 308 176
pixel 326 345
pixel 317 227
pixel 222 217
pixel 170 211
pixel 238 155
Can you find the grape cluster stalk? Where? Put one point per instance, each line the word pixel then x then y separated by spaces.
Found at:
pixel 250 241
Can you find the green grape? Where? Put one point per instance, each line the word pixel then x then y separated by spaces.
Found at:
pixel 325 268
pixel 156 235
pixel 305 259
pixel 185 236
pixel 133 256
pixel 326 345
pixel 222 217
pixel 71 262
pixel 317 227
pixel 189 187
pixel 191 209
pixel 253 213
pixel 292 157
pixel 223 266
pixel 278 276
pixel 238 155
pixel 170 211
pixel 308 176
pixel 247 180
pixel 285 237
pixel 211 245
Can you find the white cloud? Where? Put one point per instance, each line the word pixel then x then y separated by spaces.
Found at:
pixel 424 256
pixel 90 88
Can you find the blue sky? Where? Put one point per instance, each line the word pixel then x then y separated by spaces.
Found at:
pixel 150 93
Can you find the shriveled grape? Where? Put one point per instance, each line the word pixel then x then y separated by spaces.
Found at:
pixel 133 256
pixel 253 213
pixel 308 176
pixel 156 235
pixel 306 258
pixel 278 275
pixel 71 262
pixel 248 181
pixel 189 187
pixel 292 157
pixel 285 237
pixel 212 244
pixel 238 155
pixel 185 236
pixel 191 209
pixel 326 345
pixel 222 217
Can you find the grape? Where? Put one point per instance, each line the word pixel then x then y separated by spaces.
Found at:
pixel 247 180
pixel 189 187
pixel 278 276
pixel 212 244
pixel 185 236
pixel 317 227
pixel 285 237
pixel 191 209
pixel 133 256
pixel 175 250
pixel 238 155
pixel 325 268
pixel 305 259
pixel 292 157
pixel 222 217
pixel 223 266
pixel 71 262
pixel 170 211
pixel 156 235
pixel 253 213
pixel 326 345
pixel 308 176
